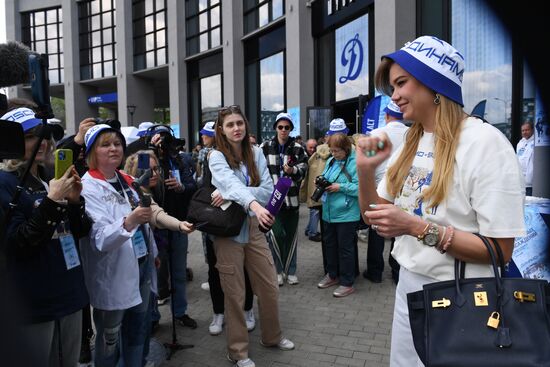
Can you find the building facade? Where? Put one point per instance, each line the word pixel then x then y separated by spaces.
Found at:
pixel 179 61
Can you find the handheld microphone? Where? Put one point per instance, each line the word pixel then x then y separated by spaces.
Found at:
pixel 143 180
pixel 14 64
pixel 277 199
pixel 144 199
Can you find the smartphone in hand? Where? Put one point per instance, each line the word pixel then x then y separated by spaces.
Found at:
pixel 63 160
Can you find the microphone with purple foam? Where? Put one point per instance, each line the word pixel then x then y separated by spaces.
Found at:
pixel 277 199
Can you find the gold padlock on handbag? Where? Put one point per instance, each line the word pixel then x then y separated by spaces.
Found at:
pixel 494 320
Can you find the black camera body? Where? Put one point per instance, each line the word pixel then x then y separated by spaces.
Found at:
pixel 321 184
pixel 115 124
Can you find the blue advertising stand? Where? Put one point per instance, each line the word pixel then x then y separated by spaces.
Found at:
pixel 531 256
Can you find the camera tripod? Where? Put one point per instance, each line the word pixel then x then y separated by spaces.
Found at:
pixel 173 346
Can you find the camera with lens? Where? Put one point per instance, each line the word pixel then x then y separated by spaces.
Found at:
pixel 115 124
pixel 321 184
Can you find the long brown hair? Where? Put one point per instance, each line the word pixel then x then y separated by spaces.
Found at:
pixel 223 145
pixel 448 117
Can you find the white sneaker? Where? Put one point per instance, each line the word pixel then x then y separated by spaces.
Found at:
pixel 283 344
pixel 205 286
pixel 250 320
pixel 280 279
pixel 216 326
pixel 242 362
pixel 292 279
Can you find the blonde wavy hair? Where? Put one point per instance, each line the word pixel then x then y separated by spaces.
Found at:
pixel 448 117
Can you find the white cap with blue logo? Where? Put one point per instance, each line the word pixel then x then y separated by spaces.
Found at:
pixel 337 126
pixel 435 63
pixel 393 110
pixel 208 129
pixel 143 127
pixel 24 116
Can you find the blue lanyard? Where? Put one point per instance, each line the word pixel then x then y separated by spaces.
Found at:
pixel 244 171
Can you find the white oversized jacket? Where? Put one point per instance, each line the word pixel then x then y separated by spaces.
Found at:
pixel 110 267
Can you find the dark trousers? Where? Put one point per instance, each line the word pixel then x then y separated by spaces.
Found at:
pixel 375 255
pixel 341 248
pixel 216 292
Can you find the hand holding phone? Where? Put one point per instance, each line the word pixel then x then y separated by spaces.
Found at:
pixel 63 160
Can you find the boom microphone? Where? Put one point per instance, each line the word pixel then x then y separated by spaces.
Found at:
pixel 14 64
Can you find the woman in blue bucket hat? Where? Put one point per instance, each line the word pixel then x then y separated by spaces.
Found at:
pixel 453 176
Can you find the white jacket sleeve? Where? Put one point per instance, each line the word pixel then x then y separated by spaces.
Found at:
pixel 107 232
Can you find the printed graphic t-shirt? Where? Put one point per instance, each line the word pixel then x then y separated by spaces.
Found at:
pixel 486 197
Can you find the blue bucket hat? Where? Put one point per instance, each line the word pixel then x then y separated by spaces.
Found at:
pixel 208 129
pixel 337 126
pixel 434 63
pixel 393 110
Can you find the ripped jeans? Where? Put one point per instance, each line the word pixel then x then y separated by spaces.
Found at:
pixel 121 334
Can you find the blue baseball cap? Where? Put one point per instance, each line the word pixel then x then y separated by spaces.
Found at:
pixel 208 129
pixel 24 116
pixel 92 134
pixel 393 110
pixel 337 126
pixel 434 63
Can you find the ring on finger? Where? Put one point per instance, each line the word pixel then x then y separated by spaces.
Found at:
pixel 375 227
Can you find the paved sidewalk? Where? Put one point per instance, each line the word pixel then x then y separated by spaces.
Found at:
pixel 327 331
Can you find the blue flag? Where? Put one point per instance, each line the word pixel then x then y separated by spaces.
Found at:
pixel 373 116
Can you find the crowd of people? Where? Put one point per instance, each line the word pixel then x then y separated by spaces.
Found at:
pixel 104 244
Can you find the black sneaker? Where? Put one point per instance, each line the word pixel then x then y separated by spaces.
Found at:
pixel 185 320
pixel 189 273
pixel 316 238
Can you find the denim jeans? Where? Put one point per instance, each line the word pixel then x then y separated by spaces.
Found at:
pixel 121 334
pixel 178 262
pixel 313 224
pixel 340 241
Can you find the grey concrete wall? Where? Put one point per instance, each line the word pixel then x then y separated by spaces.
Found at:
pixel 233 57
pixel 27 5
pixel 299 59
pixel 132 90
pixel 177 70
pixel 394 24
pixel 76 94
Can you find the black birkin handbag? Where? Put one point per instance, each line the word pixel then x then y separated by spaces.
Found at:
pixel 210 219
pixel 482 321
pixel 214 220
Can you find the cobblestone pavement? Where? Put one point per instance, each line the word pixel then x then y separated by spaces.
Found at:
pixel 327 331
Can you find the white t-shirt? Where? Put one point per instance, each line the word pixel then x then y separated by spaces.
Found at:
pixel 486 197
pixel 525 150
pixel 396 131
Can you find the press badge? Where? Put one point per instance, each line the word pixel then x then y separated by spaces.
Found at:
pixel 138 242
pixel 69 251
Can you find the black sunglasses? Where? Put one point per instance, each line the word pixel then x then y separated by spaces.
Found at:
pixel 283 127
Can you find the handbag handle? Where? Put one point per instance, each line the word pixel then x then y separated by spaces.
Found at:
pixel 460 267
